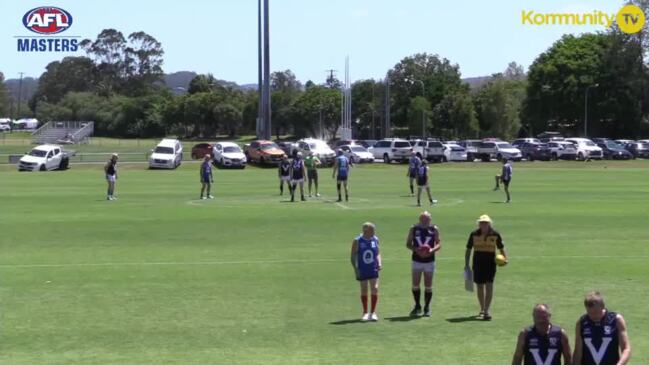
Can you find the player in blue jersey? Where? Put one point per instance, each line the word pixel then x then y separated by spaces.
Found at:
pixel 413 167
pixel 298 171
pixel 542 343
pixel 505 177
pixel 601 337
pixel 366 261
pixel 206 178
pixel 341 171
pixel 423 240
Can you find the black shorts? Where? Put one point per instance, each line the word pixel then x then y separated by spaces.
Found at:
pixel 506 182
pixel 205 179
pixel 483 274
pixel 412 174
pixel 342 178
pixel 422 181
pixel 312 174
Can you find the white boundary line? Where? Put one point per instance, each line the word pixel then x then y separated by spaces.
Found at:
pixel 297 261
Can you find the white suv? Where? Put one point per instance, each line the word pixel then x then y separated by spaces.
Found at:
pixel 586 149
pixel 392 149
pixel 228 154
pixel 318 148
pixel 168 154
pixel 430 150
pixel 498 150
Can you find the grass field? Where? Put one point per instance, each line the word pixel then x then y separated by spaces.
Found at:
pixel 159 277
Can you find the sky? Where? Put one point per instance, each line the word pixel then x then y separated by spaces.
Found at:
pixel 309 36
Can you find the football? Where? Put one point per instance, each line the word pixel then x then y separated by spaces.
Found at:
pixel 424 251
pixel 500 260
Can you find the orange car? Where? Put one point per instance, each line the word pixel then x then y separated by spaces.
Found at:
pixel 264 152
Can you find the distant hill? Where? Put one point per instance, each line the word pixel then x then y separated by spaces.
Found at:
pixel 30 85
pixel 476 82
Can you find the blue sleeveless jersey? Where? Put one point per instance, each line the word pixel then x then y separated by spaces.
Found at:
pixel 343 166
pixel 413 165
pixel 366 258
pixel 600 340
pixel 543 349
pixel 298 171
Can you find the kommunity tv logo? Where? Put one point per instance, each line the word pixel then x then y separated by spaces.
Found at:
pixel 630 19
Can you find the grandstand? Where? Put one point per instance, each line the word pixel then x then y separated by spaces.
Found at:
pixel 63 132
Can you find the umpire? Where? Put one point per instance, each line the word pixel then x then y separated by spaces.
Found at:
pixel 484 242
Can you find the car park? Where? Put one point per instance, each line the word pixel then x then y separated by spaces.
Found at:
pixel 263 152
pixel 392 149
pixel 562 150
pixel 200 150
pixel 357 153
pixel 287 146
pixel 317 148
pixel 491 149
pixel 536 151
pixel 638 149
pixel 586 149
pixel 432 151
pixel 624 142
pixel 367 143
pixel 471 147
pixel 228 154
pixel 168 154
pixel 454 152
pixel 518 143
pixel 613 151
pixel 45 158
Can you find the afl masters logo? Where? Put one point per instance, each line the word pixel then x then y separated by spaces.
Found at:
pixel 47 22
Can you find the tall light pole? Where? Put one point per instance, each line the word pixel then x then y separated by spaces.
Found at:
pixel 423 115
pixel 20 92
pixel 586 108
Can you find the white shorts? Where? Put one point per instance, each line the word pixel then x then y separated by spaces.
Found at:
pixel 110 178
pixel 298 181
pixel 285 178
pixel 428 267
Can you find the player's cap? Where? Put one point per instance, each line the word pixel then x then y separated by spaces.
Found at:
pixel 484 218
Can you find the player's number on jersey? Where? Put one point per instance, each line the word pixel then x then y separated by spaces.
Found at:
pixel 368 257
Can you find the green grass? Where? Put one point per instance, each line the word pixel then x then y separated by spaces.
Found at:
pixel 158 277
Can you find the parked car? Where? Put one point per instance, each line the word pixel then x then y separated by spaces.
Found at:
pixel 471 147
pixel 287 146
pixel 318 148
pixel 586 149
pixel 263 152
pixel 345 142
pixel 638 150
pixel 624 142
pixel 430 150
pixel 643 141
pixel 168 154
pixel 45 158
pixel 4 127
pixel 367 143
pixel 562 150
pixel 613 151
pixel 392 149
pixel 200 150
pixel 454 152
pixel 536 151
pixel 357 153
pixel 498 150
pixel 228 154
pixel 518 143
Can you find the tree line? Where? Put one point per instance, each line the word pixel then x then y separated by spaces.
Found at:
pixel 119 85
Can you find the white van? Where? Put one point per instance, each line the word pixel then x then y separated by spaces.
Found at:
pixel 168 154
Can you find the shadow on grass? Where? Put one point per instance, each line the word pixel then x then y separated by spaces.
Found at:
pixel 403 318
pixel 464 319
pixel 346 321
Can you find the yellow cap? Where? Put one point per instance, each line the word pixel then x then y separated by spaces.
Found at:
pixel 484 218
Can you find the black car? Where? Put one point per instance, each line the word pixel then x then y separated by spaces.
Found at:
pixel 638 150
pixel 536 151
pixel 613 151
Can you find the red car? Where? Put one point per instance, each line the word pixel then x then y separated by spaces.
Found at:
pixel 200 150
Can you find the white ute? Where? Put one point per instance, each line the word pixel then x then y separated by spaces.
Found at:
pixel 44 158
